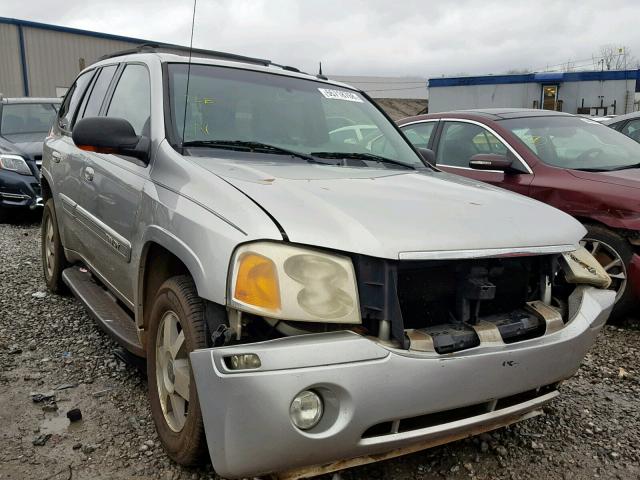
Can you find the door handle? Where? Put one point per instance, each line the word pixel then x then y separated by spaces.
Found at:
pixel 56 156
pixel 88 174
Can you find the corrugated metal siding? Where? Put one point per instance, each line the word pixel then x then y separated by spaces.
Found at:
pixel 10 69
pixel 53 58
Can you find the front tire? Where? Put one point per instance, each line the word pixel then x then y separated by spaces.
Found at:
pixel 177 327
pixel 52 252
pixel 614 253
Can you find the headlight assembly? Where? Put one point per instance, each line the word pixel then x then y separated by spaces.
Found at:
pixel 14 163
pixel 293 283
pixel 581 267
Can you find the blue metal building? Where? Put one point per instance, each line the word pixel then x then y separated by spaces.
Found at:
pixel 610 92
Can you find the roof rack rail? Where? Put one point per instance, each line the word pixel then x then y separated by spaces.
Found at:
pixel 169 48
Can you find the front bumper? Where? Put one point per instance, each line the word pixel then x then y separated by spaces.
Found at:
pixel 19 191
pixel 365 385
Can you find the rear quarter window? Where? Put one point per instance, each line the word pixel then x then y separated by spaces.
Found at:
pixel 72 100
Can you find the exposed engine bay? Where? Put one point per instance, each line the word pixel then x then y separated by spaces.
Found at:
pixel 446 306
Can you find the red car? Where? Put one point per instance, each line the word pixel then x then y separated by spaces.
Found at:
pixel 572 163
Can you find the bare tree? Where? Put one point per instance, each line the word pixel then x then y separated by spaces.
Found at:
pixel 614 57
pixel 518 71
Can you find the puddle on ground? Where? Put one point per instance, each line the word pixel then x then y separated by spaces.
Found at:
pixel 59 424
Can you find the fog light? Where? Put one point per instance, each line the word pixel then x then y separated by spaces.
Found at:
pixel 306 410
pixel 245 361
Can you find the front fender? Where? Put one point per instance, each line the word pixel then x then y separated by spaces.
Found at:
pixel 155 234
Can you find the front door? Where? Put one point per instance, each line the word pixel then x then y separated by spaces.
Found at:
pixel 550 97
pixel 116 184
pixel 460 140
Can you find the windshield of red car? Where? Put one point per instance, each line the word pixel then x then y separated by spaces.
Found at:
pixel 575 142
pixel 27 118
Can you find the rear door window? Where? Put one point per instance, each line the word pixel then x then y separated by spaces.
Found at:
pixel 93 101
pixel 72 100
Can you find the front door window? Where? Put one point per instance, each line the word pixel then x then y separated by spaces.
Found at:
pixel 460 141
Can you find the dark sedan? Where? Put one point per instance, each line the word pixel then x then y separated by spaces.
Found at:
pixel 572 163
pixel 24 123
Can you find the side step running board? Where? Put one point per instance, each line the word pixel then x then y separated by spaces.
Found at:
pixel 111 317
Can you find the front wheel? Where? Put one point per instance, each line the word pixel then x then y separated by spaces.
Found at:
pixel 52 253
pixel 614 253
pixel 177 327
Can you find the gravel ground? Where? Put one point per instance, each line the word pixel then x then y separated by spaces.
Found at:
pixel 48 343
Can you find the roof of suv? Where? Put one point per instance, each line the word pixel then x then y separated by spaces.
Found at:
pixel 15 100
pixel 205 57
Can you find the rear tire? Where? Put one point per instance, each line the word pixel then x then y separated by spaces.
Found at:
pixel 614 253
pixel 4 215
pixel 52 252
pixel 176 327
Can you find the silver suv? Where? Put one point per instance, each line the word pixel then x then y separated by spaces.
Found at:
pixel 304 303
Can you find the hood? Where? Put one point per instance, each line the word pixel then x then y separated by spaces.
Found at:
pixel 25 144
pixel 386 213
pixel 623 178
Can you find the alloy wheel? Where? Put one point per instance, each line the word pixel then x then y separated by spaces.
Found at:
pixel 172 371
pixel 610 261
pixel 50 252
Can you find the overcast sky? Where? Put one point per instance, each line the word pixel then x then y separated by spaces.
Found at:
pixel 369 37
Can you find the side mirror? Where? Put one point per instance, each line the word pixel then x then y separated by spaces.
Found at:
pixel 428 155
pixel 110 135
pixel 491 161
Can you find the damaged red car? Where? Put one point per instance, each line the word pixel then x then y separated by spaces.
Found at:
pixel 572 163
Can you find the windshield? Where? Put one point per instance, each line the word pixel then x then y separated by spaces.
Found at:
pixel 27 118
pixel 305 116
pixel 575 143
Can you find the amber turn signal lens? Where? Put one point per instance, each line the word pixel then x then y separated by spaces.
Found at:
pixel 257 282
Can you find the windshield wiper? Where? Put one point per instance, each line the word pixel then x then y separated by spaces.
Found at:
pixel 592 169
pixel 248 146
pixel 624 167
pixel 361 156
pixel 612 169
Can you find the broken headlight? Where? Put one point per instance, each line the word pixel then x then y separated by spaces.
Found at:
pixel 581 267
pixel 293 283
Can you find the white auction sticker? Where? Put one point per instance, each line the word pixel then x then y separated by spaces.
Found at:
pixel 340 95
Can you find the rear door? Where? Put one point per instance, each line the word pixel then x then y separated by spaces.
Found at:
pixel 116 182
pixel 66 165
pixel 459 140
pixel 91 106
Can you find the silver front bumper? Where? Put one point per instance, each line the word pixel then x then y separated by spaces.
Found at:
pixel 246 414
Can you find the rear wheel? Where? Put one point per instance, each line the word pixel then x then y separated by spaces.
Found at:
pixel 177 327
pixel 4 215
pixel 614 253
pixel 52 253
